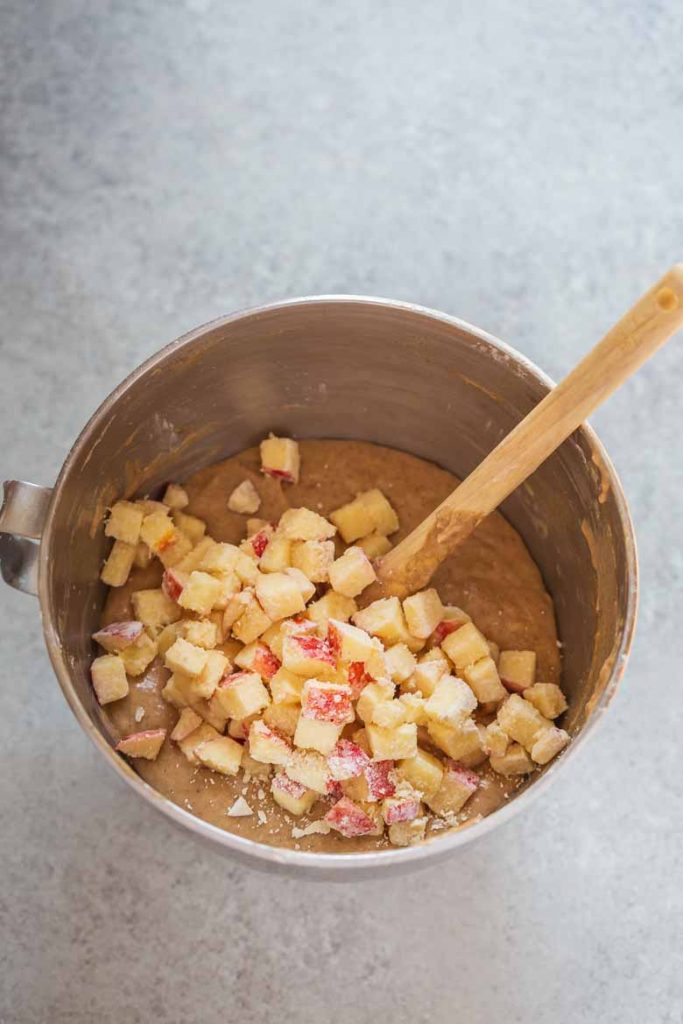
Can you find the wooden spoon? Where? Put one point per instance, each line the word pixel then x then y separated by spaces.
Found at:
pixel 637 336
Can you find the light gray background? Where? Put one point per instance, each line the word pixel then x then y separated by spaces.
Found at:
pixel 517 164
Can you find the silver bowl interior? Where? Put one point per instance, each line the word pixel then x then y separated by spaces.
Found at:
pixel 344 368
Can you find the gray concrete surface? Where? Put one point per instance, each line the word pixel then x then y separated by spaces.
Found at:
pixel 519 165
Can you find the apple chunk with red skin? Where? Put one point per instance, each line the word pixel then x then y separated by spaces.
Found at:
pixel 291 795
pixel 307 655
pixel 347 761
pixel 118 635
pixel 280 458
pixel 457 786
pixel 350 819
pixel 145 744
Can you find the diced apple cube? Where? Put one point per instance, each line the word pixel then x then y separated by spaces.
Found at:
pixel 279 595
pixel 118 635
pixel 240 695
pixel 496 741
pixel 189 745
pixel 522 721
pixel 176 552
pixel 286 687
pixel 385 619
pixel 124 522
pixel 193 528
pixel 465 646
pixel 306 588
pixel 392 744
pixel 374 545
pixel 304 524
pixel 376 781
pixel 145 744
pixel 200 592
pixel 451 702
pixel 273 638
pixel 427 675
pixel 291 795
pixel 143 556
pixel 246 567
pixel 204 684
pixel 463 742
pixel 390 714
pixel 327 702
pixel 307 655
pixel 349 643
pixel 283 718
pixel 309 769
pixel 400 662
pixel 244 499
pixel 313 558
pixel 176 496
pixel 549 743
pixel 252 622
pixel 404 805
pixel 280 458
pixel 267 745
pixel 453 618
pixel 185 657
pixel 350 819
pixel 424 772
pixel 347 761
pixel 316 734
pixel 178 690
pixel 155 609
pixel 158 531
pixel 173 582
pixel 517 669
pixel 435 654
pixel 356 676
pixel 407 833
pixel 229 585
pixel 278 555
pixel 236 607
pixel 257 657
pixel 223 755
pixel 515 761
pixel 483 679
pixel 258 544
pixel 352 572
pixel 200 632
pixel 331 606
pixel 139 655
pixel 116 569
pixel 546 698
pixel 109 679
pixel 188 721
pixel 369 512
pixel 379 692
pixel 423 612
pixel 457 786
pixel 219 558
pixel 414 708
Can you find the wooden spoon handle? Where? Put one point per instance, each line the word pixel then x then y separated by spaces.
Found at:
pixel 637 336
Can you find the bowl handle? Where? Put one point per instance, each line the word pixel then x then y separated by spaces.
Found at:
pixel 22 515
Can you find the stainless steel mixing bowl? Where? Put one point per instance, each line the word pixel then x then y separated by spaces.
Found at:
pixel 343 367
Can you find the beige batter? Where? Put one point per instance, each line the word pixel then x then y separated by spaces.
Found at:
pixel 492 576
